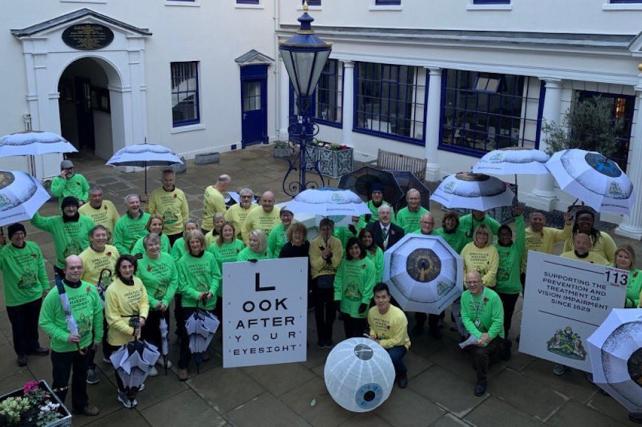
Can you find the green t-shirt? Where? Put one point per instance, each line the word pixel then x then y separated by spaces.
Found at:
pixel 227 252
pixel 86 309
pixel 483 313
pixel 76 186
pixel 353 285
pixel 468 224
pixel 457 239
pixel 178 249
pixel 160 278
pixel 634 288
pixel 408 220
pixel 70 238
pixel 374 210
pixel 276 240
pixel 23 273
pixel 377 261
pixel 139 248
pixel 128 230
pixel 247 254
pixel 197 275
pixel 510 262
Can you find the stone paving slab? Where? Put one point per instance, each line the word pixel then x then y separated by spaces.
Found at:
pixel 497 413
pixel 183 409
pixel 265 410
pixel 407 408
pixel 312 402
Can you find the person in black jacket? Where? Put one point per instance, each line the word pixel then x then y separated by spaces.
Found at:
pixel 298 246
pixel 384 232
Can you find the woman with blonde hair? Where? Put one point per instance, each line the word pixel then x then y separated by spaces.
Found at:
pixel 481 256
pixel 625 260
pixel 257 247
pixel 155 224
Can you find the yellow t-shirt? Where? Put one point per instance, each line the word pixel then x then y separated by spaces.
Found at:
pixel 258 219
pixel 319 266
pixel 94 262
pixel 213 202
pixel 121 303
pixel 172 206
pixel 604 246
pixel 237 215
pixel 106 215
pixel 545 240
pixel 592 257
pixel 484 260
pixel 391 328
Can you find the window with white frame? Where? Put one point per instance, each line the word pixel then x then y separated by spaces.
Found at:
pixel 185 93
pixel 390 101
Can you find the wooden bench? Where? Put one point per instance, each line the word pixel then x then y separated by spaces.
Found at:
pixel 400 162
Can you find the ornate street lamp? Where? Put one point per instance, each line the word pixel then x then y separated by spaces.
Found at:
pixel 304 56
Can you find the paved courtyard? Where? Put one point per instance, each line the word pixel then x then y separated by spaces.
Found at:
pixel 522 392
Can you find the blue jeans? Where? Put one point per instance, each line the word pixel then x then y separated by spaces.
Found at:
pixel 396 354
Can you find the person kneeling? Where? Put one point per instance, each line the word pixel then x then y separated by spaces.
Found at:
pixel 389 327
pixel 483 317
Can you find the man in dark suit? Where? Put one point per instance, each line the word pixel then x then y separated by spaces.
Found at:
pixel 384 232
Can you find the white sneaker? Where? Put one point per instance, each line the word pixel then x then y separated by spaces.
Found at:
pixel 142 387
pixel 152 372
pixel 162 365
pixel 124 400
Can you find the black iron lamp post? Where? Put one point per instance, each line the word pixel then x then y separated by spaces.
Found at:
pixel 304 56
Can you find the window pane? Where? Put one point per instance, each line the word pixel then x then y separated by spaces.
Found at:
pixel 184 79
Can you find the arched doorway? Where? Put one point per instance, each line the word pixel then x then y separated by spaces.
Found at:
pixel 87 119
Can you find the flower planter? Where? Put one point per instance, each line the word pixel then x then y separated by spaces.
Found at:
pixel 29 417
pixel 335 163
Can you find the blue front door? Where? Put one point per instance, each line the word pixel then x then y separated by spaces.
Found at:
pixel 254 104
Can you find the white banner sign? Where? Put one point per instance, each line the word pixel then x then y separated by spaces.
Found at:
pixel 565 301
pixel 265 312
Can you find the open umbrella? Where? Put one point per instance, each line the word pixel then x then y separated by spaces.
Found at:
pixel 424 273
pixel 359 374
pixel 408 180
pixel 615 351
pixel 132 363
pixel 592 178
pixel 21 195
pixel 472 191
pixel 362 180
pixel 201 327
pixel 164 331
pixel 328 202
pixel 34 143
pixel 144 155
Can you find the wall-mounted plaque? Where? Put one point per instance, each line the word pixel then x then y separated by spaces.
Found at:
pixel 87 36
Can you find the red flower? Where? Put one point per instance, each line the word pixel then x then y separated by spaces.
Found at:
pixel 30 386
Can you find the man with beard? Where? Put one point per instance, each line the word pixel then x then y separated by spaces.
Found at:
pixel 70 232
pixel 69 183
pixel 101 211
pixel 237 213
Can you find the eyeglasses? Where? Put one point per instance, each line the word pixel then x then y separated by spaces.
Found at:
pixel 473 282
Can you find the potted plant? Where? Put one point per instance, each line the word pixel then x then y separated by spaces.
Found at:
pixel 335 160
pixel 35 405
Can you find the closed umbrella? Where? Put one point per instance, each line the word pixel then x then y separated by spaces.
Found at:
pixel 364 179
pixel 592 178
pixel 144 155
pixel 468 190
pixel 328 202
pixel 132 363
pixel 21 195
pixel 424 273
pixel 615 351
pixel 201 327
pixel 34 143
pixel 359 374
pixel 164 331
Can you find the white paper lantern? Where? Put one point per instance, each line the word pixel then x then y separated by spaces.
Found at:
pixel 359 374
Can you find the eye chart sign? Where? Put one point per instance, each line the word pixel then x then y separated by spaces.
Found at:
pixel 565 301
pixel 265 312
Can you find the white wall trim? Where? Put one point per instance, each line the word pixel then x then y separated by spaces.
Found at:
pixel 178 3
pixel 618 7
pixel 187 128
pixel 489 7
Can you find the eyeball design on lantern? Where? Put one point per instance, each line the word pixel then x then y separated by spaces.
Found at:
pixel 359 374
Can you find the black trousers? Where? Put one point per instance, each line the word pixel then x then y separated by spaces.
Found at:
pixel 151 330
pixel 324 312
pixel 174 237
pixel 62 364
pixel 106 352
pixel 483 357
pixel 178 312
pixel 109 349
pixel 24 326
pixel 184 353
pixel 508 301
pixel 433 320
pixel 354 327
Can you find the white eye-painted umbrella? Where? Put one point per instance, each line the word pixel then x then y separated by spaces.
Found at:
pixel 328 202
pixel 144 155
pixel 615 351
pixel 21 195
pixel 133 362
pixel 34 143
pixel 424 273
pixel 477 191
pixel 513 161
pixel 592 178
pixel 359 374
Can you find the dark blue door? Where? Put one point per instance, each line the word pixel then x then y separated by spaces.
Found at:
pixel 254 104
